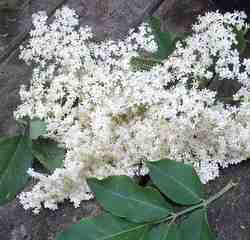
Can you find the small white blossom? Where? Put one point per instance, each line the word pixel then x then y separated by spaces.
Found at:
pixel 111 119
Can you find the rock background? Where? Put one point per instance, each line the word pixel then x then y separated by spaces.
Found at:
pixel 229 216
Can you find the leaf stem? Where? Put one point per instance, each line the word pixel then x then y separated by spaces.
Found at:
pixel 204 203
pixel 230 185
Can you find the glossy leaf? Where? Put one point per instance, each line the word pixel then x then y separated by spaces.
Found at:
pixel 48 153
pixel 122 197
pixel 15 160
pixel 37 128
pixel 178 181
pixel 164 232
pixel 196 227
pixel 104 227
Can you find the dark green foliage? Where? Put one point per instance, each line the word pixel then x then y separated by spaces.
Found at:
pixel 123 198
pixel 48 153
pixel 164 232
pixel 17 154
pixel 241 39
pixel 132 212
pixel 166 42
pixel 104 227
pixel 196 226
pixel 178 181
pixel 15 160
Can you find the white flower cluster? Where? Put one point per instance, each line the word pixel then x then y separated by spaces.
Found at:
pixel 112 119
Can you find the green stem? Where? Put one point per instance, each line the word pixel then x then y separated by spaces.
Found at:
pixel 230 185
pixel 203 204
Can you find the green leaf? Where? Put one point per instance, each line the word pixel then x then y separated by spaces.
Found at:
pixel 48 153
pixel 164 232
pixel 37 128
pixel 165 45
pixel 155 24
pixel 166 41
pixel 15 160
pixel 178 181
pixel 241 39
pixel 122 197
pixel 104 227
pixel 196 227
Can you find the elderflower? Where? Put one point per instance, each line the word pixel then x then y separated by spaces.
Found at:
pixel 112 119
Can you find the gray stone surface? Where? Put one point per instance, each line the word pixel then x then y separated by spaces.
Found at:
pixel 19 28
pixel 18 224
pixel 178 16
pixel 229 216
pixel 13 72
pixel 12 75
